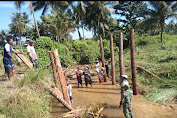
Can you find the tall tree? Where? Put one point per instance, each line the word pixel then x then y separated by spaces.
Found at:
pixel 18 27
pixel 18 5
pixel 161 11
pixel 3 35
pixel 97 16
pixel 60 23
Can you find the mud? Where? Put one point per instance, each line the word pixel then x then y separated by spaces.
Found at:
pixel 110 95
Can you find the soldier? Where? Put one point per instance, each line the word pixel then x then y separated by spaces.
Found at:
pixel 127 101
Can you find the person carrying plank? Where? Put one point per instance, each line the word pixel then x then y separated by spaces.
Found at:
pixel 32 53
pixel 7 58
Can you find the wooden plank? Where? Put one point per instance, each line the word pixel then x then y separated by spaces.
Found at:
pixel 63 85
pixel 25 60
pixel 150 73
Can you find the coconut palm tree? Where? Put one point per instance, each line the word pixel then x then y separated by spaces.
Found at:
pixel 161 11
pixel 19 24
pixel 60 23
pixel 18 5
pixel 97 16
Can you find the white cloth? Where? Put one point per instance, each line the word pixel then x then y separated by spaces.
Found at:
pixel 97 67
pixel 125 82
pixel 69 89
pixel 7 47
pixel 32 51
pixel 100 74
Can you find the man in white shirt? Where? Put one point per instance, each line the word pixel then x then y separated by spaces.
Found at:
pixel 32 53
pixel 7 58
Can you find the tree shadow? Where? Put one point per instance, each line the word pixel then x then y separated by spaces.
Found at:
pixel 98 92
pixel 168 59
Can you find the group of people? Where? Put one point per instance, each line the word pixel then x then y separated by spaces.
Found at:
pixel 7 57
pixel 126 94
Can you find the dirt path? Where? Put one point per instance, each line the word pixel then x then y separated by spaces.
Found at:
pixel 110 94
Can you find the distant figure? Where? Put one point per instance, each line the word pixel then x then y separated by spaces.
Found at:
pixel 127 101
pixel 97 66
pixel 87 67
pixel 100 74
pixel 32 53
pixel 7 58
pixel 79 76
pixel 86 77
pixel 124 82
pixel 107 68
pixel 69 87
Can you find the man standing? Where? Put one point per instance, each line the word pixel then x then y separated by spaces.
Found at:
pixel 107 68
pixel 32 53
pixel 7 58
pixel 79 76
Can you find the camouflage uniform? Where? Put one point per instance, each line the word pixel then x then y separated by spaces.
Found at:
pixel 127 103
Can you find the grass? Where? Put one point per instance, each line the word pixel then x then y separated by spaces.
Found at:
pixel 28 97
pixel 161 62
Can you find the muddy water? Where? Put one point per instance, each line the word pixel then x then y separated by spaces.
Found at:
pixel 110 94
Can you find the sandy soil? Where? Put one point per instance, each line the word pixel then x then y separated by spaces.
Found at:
pixel 110 94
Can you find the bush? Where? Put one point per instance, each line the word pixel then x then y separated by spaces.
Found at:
pixel 86 51
pixel 45 44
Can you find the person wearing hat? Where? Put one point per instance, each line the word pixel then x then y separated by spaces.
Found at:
pixel 97 66
pixel 124 82
pixel 100 74
pixel 7 57
pixel 32 53
pixel 127 101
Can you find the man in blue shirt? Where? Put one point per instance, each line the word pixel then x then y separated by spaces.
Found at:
pixel 7 58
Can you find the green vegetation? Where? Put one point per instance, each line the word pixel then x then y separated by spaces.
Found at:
pixel 160 62
pixel 28 98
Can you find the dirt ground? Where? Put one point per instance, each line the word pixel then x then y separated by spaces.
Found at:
pixel 110 94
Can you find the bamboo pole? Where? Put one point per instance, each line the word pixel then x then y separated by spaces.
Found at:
pixel 102 57
pixel 133 64
pixel 53 68
pixel 121 65
pixel 112 60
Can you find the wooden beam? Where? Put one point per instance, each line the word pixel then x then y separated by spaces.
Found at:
pixel 133 64
pixel 121 65
pixel 102 58
pixel 53 68
pixel 150 73
pixel 112 60
pixel 63 85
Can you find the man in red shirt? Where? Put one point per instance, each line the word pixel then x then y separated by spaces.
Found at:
pixel 79 76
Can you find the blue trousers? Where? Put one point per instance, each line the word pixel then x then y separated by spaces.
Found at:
pixel 35 61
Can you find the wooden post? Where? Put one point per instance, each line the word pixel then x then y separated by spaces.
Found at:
pixel 121 65
pixel 112 60
pixel 57 62
pixel 102 57
pixel 133 64
pixel 63 85
pixel 53 68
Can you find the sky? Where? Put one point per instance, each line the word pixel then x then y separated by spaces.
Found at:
pixel 8 7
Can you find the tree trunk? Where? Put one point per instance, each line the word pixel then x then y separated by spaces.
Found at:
pixel 79 34
pixel 32 10
pixel 83 30
pixel 161 36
